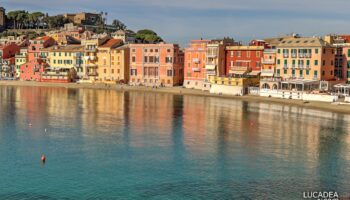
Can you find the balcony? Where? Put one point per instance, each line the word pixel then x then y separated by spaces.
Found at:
pixel 91 50
pixel 307 55
pixel 55 73
pixel 196 60
pixel 210 66
pixel 240 68
pixel 300 66
pixel 294 55
pixel 211 55
pixel 285 55
pixel 92 74
pixel 268 61
pixel 307 67
pixel 196 69
pixel 91 65
pixel 285 66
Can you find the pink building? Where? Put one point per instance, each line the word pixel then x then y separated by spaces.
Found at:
pixel 156 64
pixel 7 59
pixel 195 59
pixel 31 71
pixel 34 49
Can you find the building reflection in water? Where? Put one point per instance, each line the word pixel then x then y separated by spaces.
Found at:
pixel 230 132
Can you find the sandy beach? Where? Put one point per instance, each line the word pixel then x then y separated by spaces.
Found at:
pixel 342 108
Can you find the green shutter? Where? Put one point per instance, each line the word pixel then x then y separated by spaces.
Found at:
pixel 349 64
pixel 316 62
pixel 293 71
pixel 293 62
pixel 315 73
pixel 348 74
pixel 285 62
pixel 285 71
pixel 301 72
pixel 307 72
pixel 278 61
pixel 348 52
pixel 316 51
pixel 278 50
pixel 278 71
pixel 308 62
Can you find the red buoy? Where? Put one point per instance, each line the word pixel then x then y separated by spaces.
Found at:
pixel 43 158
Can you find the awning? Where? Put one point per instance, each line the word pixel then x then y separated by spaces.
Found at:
pixel 267 74
pixel 254 73
pixel 237 72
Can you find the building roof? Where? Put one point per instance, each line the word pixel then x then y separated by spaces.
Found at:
pixel 111 43
pixel 67 48
pixel 245 48
pixel 303 42
pixel 45 38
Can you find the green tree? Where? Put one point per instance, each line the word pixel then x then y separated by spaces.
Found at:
pixel 35 18
pixel 148 36
pixel 118 24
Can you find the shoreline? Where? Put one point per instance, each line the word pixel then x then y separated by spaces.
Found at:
pixel 340 108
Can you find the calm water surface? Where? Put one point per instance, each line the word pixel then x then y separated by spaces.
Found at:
pixel 104 144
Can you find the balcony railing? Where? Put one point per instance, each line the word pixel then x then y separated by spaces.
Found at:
pixel 210 66
pixel 90 50
pixel 294 55
pixel 268 61
pixel 307 67
pixel 300 66
pixel 285 55
pixel 92 74
pixel 285 66
pixel 196 60
pixel 240 68
pixel 196 69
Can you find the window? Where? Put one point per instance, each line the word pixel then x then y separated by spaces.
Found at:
pixel 278 61
pixel 331 72
pixel 168 60
pixel 316 62
pixel 332 62
pixel 168 50
pixel 285 71
pixel 293 72
pixel 231 53
pixel 316 51
pixel 133 59
pixel 278 51
pixel 278 72
pixel 307 62
pixel 145 59
pixel 307 72
pixel 133 72
pixel 258 54
pixel 315 74
pixel 324 51
pixel 238 53
pixel 169 72
pixel 248 54
pixel 300 73
pixel 323 62
pixel 105 71
pixel 133 50
pixel 112 71
pixel 150 59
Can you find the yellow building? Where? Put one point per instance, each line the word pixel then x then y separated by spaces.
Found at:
pixel 106 56
pixel 66 59
pixel 268 68
pixel 231 85
pixel 90 57
pixel 307 58
pixel 21 58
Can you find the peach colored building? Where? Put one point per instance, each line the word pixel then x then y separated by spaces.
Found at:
pixel 105 59
pixel 156 64
pixel 268 68
pixel 195 72
pixel 308 58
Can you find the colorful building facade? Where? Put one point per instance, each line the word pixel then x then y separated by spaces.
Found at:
pixel 307 58
pixel 21 58
pixel 242 60
pixel 107 60
pixel 195 73
pixel 268 68
pixel 156 64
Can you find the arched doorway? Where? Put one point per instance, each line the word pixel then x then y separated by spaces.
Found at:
pixel 266 86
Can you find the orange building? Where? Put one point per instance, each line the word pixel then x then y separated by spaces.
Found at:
pixel 307 58
pixel 156 64
pixel 195 72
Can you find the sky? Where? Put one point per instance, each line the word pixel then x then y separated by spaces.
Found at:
pixel 179 21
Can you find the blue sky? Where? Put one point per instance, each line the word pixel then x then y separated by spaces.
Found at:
pixel 179 21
